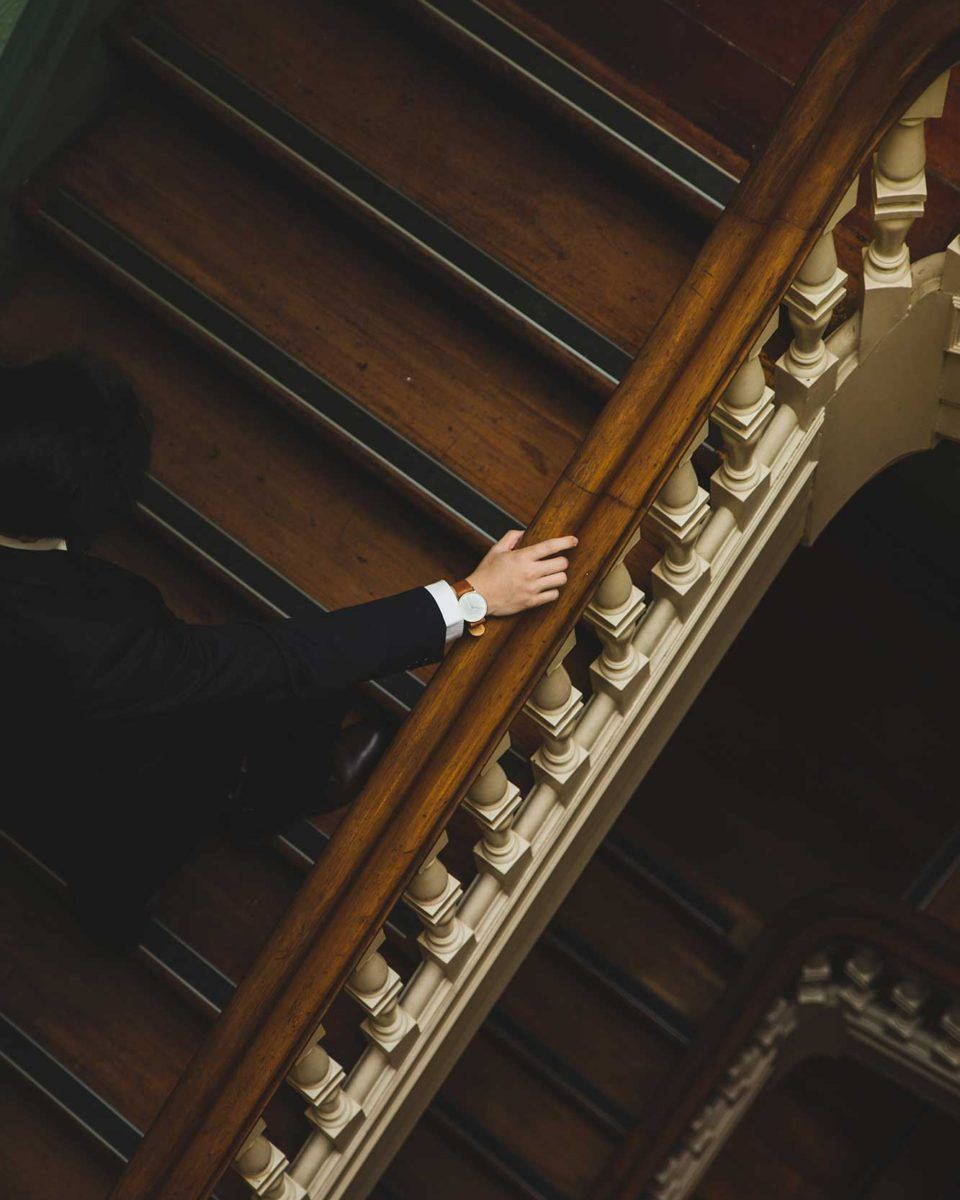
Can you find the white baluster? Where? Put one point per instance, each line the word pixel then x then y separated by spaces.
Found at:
pixel 744 410
pixel 320 1079
pixel 264 1168
pixel 673 523
pixel 492 801
pixel 909 1000
pixel 555 708
pixel 434 895
pixel 376 988
pixel 899 195
pixel 806 376
pixel 615 612
pixel 948 424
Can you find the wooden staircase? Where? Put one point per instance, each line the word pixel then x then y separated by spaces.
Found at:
pixel 375 268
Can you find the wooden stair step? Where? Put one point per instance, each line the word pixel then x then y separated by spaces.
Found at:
pixel 417 141
pixel 493 1098
pixel 549 1003
pixel 341 331
pixel 646 941
pixel 687 91
pixel 97 1012
pixel 44 1155
pixel 428 1162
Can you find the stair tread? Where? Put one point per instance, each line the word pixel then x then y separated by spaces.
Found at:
pixel 428 1160
pixel 714 75
pixel 625 1059
pixel 342 538
pixel 523 1116
pixel 434 128
pixel 98 1012
pixel 289 265
pixel 649 942
pixel 44 1154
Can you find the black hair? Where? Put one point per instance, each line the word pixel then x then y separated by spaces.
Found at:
pixel 74 448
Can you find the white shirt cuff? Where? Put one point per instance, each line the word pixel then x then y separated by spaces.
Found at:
pixel 446 599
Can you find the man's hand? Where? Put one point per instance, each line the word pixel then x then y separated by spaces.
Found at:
pixel 511 580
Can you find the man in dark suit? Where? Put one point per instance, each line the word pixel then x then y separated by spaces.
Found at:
pixel 132 735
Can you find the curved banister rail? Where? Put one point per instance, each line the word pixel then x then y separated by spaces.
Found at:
pixel 920 945
pixel 879 59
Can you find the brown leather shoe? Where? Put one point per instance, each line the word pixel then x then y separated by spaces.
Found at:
pixel 356 752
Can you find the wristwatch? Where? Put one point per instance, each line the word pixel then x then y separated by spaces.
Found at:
pixel 473 607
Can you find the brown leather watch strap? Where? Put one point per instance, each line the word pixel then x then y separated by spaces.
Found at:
pixel 462 586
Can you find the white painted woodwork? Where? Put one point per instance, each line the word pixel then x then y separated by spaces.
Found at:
pixel 434 895
pixel 899 196
pixel 555 707
pixel 673 523
pixel 743 413
pixel 493 802
pixel 806 375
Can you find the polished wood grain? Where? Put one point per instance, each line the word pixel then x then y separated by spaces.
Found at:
pixel 718 74
pixel 914 941
pixel 316 287
pixel 881 60
pixel 432 126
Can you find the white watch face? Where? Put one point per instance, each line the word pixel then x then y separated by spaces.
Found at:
pixel 473 606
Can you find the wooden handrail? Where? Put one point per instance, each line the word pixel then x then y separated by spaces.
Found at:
pixel 878 60
pixel 918 943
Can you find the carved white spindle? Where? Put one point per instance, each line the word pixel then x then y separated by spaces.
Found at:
pixel 320 1079
pixel 899 195
pixel 492 801
pixel 264 1168
pixel 948 424
pixel 673 523
pixel 743 412
pixel 434 895
pixel 816 976
pixel 615 612
pixel 909 1000
pixel 946 1048
pixel 376 988
pixel 555 708
pixel 806 376
pixel 861 973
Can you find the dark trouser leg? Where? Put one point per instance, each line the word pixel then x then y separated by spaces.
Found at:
pixel 288 748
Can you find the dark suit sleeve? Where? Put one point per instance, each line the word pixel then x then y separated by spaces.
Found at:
pixel 304 657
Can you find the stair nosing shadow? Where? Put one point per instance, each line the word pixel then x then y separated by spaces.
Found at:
pixel 311 396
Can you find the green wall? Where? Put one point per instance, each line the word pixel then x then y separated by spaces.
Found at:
pixel 54 71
